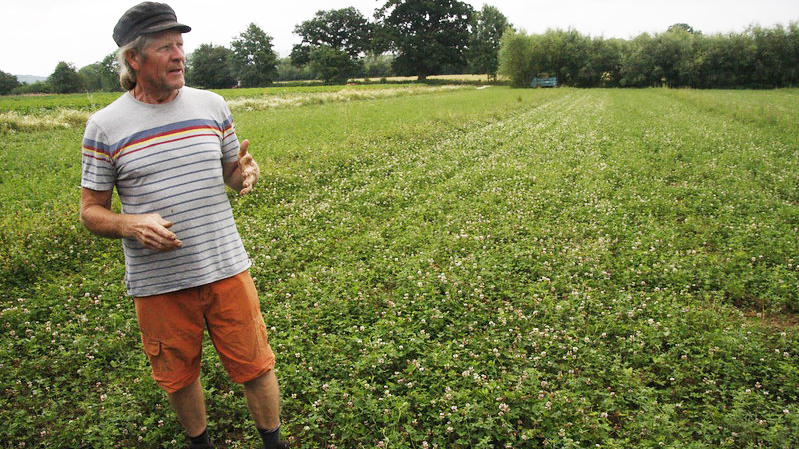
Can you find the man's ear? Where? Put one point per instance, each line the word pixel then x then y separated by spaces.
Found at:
pixel 134 59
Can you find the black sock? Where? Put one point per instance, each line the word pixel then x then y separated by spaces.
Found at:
pixel 201 441
pixel 271 438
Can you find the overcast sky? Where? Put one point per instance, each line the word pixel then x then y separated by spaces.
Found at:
pixel 36 34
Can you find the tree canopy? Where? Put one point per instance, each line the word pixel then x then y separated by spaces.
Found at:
pixel 209 67
pixel 101 76
pixel 254 62
pixel 332 65
pixel 427 35
pixel 486 39
pixel 680 57
pixel 8 82
pixel 65 79
pixel 345 29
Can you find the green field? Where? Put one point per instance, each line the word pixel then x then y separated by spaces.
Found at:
pixel 450 268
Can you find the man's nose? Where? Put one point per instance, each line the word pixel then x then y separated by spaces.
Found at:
pixel 177 53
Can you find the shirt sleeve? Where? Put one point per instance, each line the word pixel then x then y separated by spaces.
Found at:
pixel 98 171
pixel 230 141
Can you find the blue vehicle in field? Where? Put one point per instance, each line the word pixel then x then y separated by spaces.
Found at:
pixel 545 82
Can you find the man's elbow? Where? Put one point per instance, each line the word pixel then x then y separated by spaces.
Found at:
pixel 92 205
pixel 86 218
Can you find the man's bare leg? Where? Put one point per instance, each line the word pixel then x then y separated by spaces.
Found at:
pixel 263 400
pixel 189 404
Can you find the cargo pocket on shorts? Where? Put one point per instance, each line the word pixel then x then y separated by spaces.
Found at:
pixel 155 353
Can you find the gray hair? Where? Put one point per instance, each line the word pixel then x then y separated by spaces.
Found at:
pixel 127 76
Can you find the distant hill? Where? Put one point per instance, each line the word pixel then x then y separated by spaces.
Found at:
pixel 30 79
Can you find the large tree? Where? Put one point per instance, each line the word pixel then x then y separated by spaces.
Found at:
pixel 486 38
pixel 332 65
pixel 209 67
pixel 65 79
pixel 345 30
pixel 427 35
pixel 253 59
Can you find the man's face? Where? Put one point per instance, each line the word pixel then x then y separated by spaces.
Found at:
pixel 161 64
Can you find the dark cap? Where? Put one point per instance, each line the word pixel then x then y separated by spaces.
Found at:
pixel 146 18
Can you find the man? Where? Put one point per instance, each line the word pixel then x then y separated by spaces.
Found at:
pixel 170 150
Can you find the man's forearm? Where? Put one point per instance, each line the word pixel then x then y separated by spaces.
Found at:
pixel 103 222
pixel 151 230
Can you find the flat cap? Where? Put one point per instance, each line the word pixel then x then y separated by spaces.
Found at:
pixel 146 18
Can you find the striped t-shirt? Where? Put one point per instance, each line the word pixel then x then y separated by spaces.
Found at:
pixel 167 159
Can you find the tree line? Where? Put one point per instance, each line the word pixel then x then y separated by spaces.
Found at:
pixel 429 37
pixel 679 57
pixel 404 37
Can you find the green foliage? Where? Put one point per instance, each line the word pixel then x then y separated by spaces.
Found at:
pixel 101 76
pixel 39 87
pixel 331 65
pixel 90 77
pixel 574 59
pixel 457 268
pixel 344 29
pixel 333 43
pixel 486 39
pixel 287 71
pixel 682 27
pixel 7 83
pixel 427 34
pixel 65 79
pixel 254 60
pixel 209 67
pixel 377 66
pixel 516 58
pixel 680 57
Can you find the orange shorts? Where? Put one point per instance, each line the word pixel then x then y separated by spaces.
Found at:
pixel 172 327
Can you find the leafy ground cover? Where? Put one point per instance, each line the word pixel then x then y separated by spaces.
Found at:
pixel 467 268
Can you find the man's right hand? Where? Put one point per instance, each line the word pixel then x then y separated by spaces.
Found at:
pixel 152 231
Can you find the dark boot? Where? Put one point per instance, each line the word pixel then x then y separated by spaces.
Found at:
pixel 272 439
pixel 201 441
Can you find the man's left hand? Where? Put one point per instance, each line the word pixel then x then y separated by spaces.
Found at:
pixel 248 167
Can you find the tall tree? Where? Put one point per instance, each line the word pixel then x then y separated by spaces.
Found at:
pixel 486 38
pixel 109 73
pixel 332 65
pixel 253 59
pixel 8 82
pixel 345 30
pixel 565 54
pixel 65 79
pixel 603 64
pixel 209 67
pixel 773 59
pixel 516 58
pixel 427 34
